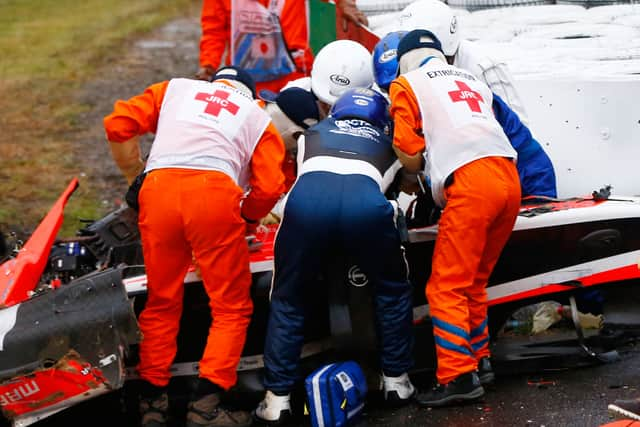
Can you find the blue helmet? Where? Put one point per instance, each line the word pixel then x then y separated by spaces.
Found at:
pixel 365 104
pixel 385 60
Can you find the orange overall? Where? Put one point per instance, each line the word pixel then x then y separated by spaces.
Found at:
pixel 191 211
pixel 216 33
pixel 482 203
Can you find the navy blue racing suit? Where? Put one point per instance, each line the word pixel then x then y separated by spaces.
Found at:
pixel 537 177
pixel 338 202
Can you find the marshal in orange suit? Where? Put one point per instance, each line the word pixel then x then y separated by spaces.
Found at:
pixel 268 38
pixel 444 124
pixel 214 169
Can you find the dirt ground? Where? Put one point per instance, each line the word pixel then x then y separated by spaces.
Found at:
pixel 73 143
pixel 170 51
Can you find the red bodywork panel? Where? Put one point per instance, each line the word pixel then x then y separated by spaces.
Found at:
pixel 616 275
pixel 266 236
pixel 50 388
pixel 557 205
pixel 20 275
pixel 358 33
pixel 622 423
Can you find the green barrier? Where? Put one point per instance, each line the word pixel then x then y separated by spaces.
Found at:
pixel 322 19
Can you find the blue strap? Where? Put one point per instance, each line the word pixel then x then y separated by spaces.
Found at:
pixel 448 327
pixel 480 329
pixel 425 60
pixel 441 342
pixel 478 345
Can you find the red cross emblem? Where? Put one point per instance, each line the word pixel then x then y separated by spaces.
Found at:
pixel 217 102
pixel 466 94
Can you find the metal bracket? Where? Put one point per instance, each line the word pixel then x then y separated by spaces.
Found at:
pixel 606 357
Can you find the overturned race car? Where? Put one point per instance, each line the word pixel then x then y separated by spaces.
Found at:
pixel 68 327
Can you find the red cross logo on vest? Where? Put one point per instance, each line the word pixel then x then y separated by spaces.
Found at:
pixel 217 102
pixel 466 94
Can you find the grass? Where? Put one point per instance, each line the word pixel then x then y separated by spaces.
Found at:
pixel 49 39
pixel 48 49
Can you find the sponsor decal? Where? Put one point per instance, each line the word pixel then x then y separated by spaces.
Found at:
pixel 454 25
pixel 388 55
pixel 216 102
pixel 356 277
pixel 356 127
pixel 70 379
pixel 21 392
pixel 345 380
pixel 361 102
pixel 468 95
pixel 339 79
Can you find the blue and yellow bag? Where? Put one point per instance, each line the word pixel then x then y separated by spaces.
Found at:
pixel 336 394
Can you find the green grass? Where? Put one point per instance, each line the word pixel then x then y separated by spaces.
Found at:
pixel 48 49
pixel 50 39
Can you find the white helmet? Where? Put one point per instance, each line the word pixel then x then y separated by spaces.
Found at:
pixel 435 16
pixel 340 65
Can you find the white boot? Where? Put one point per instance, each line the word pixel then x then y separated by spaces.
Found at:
pixel 274 409
pixel 397 390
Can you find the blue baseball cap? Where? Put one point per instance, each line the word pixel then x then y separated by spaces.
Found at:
pixel 268 95
pixel 299 105
pixel 237 74
pixel 417 39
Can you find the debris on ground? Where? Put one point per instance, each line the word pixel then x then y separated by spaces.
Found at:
pixel 537 318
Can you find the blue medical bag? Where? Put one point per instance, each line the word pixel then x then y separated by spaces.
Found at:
pixel 336 394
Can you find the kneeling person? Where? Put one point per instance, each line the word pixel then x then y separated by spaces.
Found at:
pixel 346 163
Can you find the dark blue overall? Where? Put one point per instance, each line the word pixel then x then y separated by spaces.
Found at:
pixel 337 203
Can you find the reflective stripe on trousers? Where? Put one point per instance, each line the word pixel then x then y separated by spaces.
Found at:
pixel 482 204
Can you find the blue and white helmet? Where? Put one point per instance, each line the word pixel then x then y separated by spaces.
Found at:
pixel 364 104
pixel 385 60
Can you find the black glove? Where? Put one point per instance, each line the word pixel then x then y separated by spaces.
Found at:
pixel 134 191
pixel 423 211
pixel 403 229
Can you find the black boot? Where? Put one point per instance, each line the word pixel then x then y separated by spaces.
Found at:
pixel 153 406
pixel 464 388
pixel 204 410
pixel 485 371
